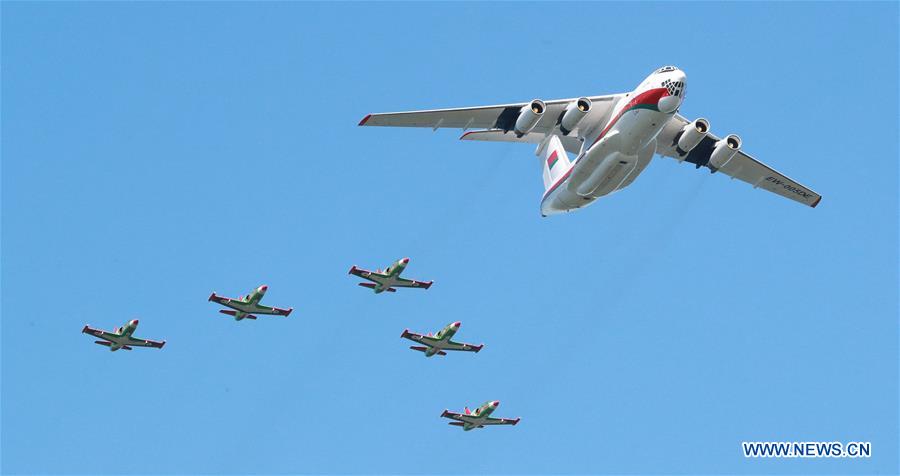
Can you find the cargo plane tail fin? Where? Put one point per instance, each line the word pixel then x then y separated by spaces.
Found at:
pixel 555 160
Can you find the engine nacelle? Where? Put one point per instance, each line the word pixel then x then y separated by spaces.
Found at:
pixel 723 151
pixel 691 135
pixel 529 117
pixel 575 112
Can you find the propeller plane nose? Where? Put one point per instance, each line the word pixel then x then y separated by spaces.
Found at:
pixel 495 403
pixel 405 261
pixel 264 288
pixel 134 322
pixel 457 324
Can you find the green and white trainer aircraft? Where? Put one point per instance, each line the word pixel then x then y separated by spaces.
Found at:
pixel 389 279
pixel 479 417
pixel 246 306
pixel 440 342
pixel 121 337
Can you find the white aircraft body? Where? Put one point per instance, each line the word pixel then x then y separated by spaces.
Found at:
pixel 478 418
pixel 613 137
pixel 440 342
pixel 121 337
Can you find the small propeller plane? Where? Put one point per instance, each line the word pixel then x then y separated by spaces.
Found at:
pixel 246 306
pixel 440 342
pixel 389 279
pixel 120 338
pixel 479 417
pixel 613 138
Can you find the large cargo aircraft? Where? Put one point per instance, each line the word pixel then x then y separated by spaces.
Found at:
pixel 613 138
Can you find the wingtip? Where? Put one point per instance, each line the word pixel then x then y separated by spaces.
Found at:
pixel 162 345
pixel 364 120
pixel 478 349
pixel 352 269
pixel 816 202
pixel 516 421
pixel 85 329
pixel 405 333
pixel 428 285
pixel 446 412
pixel 289 311
pixel 212 296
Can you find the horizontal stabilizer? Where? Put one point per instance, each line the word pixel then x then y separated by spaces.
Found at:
pixel 391 290
pixel 103 342
pixel 250 316
pixel 228 311
pixel 570 143
pixel 367 285
pixel 425 349
pixel 126 347
pixel 456 423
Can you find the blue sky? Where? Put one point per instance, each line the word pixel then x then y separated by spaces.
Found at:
pixel 154 152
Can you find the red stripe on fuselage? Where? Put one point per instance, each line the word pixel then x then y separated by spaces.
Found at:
pixel 649 97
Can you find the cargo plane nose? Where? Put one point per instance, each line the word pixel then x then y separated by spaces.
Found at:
pixel 675 83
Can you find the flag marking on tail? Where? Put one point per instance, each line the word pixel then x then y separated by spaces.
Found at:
pixel 552 160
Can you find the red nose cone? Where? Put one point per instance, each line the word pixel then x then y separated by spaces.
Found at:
pixel 457 323
pixel 496 403
pixel 134 322
pixel 404 260
pixel 264 288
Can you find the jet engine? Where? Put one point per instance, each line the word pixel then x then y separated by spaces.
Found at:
pixel 575 112
pixel 529 117
pixel 723 151
pixel 691 135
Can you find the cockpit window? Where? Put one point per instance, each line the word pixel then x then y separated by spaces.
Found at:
pixel 666 69
pixel 675 88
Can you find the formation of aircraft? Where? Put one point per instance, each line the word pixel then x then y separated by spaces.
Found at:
pixel 478 418
pixel 613 138
pixel 439 342
pixel 245 307
pixel 389 279
pixel 121 337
